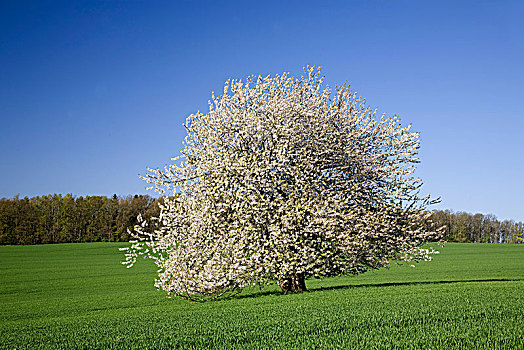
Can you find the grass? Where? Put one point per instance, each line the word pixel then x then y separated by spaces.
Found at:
pixel 79 296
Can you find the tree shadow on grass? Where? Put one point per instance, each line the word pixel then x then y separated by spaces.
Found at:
pixel 373 285
pixel 412 283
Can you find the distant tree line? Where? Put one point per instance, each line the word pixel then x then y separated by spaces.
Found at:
pixel 60 219
pixel 478 228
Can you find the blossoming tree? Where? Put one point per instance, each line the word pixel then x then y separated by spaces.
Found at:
pixel 281 180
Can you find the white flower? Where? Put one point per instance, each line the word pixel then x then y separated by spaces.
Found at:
pixel 283 179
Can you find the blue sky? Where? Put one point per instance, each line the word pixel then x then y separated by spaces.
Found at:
pixel 92 93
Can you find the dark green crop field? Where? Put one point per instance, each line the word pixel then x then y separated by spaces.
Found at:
pixel 79 296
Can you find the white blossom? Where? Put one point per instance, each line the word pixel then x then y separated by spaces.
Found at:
pixel 283 179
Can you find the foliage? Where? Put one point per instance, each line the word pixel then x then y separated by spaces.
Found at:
pixel 47 219
pixel 60 219
pixel 478 228
pixel 285 179
pixel 77 296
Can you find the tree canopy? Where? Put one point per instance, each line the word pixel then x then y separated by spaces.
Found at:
pixel 66 219
pixel 60 219
pixel 284 179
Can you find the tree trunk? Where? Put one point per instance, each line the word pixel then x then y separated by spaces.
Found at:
pixel 300 282
pixel 293 283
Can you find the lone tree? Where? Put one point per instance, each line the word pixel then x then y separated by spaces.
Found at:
pixel 284 179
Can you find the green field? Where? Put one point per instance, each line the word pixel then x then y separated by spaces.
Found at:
pixel 79 296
